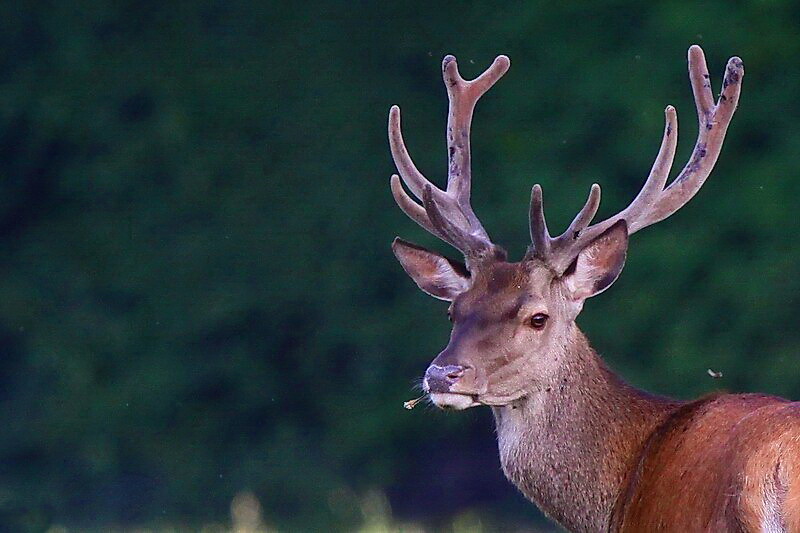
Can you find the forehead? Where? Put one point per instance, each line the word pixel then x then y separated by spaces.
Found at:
pixel 499 279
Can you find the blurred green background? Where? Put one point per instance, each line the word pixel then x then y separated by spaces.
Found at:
pixel 198 303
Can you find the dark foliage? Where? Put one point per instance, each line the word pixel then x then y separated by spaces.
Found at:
pixel 197 295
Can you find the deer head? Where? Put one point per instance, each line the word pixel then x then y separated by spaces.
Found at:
pixel 513 321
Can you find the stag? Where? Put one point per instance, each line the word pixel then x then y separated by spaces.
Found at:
pixel 593 452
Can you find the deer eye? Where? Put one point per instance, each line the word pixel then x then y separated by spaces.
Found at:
pixel 538 320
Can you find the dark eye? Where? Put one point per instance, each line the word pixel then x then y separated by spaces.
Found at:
pixel 538 320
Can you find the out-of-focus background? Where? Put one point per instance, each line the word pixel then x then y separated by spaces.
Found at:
pixel 201 322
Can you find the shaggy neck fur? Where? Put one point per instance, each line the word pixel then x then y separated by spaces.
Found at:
pixel 569 445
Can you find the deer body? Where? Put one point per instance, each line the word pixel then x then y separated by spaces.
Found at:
pixel 722 463
pixel 594 453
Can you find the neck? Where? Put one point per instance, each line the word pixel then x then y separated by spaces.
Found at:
pixel 569 445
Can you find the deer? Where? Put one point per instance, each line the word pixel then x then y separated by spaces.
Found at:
pixel 591 451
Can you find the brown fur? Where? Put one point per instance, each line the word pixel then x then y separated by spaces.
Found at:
pixel 722 463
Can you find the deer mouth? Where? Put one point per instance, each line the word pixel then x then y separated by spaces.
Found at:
pixel 454 401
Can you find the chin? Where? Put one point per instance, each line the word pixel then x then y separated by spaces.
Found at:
pixel 456 402
pixel 503 401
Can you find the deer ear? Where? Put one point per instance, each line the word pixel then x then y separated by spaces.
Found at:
pixel 435 274
pixel 599 264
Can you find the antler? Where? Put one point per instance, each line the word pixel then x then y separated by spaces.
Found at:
pixel 654 202
pixel 447 214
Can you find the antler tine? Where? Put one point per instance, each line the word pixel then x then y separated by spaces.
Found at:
pixel 701 82
pixel 584 216
pixel 587 213
pixel 411 208
pixel 412 177
pixel 463 96
pixel 654 202
pixel 540 237
pixel 713 127
pixel 447 213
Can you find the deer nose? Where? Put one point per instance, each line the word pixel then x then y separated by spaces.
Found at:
pixel 441 378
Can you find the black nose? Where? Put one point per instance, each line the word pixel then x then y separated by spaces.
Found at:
pixel 440 378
